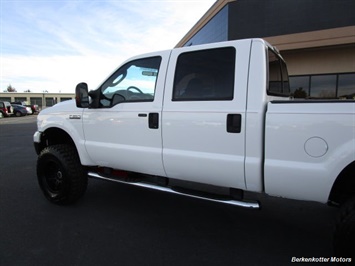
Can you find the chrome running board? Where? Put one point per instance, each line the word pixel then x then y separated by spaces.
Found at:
pixel 244 204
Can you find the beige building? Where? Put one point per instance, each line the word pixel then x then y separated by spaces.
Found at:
pixel 43 100
pixel 316 38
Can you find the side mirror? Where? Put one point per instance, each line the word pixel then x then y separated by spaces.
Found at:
pixel 82 95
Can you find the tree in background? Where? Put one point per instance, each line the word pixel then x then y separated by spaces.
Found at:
pixel 11 89
pixel 300 93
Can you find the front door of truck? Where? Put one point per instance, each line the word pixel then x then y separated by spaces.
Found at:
pixel 204 115
pixel 124 130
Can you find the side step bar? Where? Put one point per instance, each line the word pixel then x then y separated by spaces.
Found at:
pixel 245 204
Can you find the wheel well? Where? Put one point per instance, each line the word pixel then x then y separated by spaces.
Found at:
pixel 53 136
pixel 344 186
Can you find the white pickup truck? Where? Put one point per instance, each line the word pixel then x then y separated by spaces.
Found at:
pixel 208 121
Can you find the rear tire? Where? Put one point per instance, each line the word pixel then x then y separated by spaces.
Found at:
pixel 61 176
pixel 344 237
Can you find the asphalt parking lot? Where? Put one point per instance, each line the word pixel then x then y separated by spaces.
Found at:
pixel 119 225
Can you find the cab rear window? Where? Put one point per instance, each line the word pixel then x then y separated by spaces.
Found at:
pixel 278 77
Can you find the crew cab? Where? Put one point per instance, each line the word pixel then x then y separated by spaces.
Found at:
pixel 202 118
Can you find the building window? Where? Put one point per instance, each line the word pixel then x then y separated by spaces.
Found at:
pixel 50 101
pixel 36 101
pixel 346 86
pixel 216 30
pixel 20 99
pixel 62 99
pixel 206 75
pixel 332 86
pixel 299 86
pixel 323 86
pixel 5 99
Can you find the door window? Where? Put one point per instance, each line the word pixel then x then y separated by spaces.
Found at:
pixel 206 75
pixel 134 81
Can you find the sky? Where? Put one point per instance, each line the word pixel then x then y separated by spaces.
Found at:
pixel 51 45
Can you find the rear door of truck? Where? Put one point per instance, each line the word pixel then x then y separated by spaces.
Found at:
pixel 204 113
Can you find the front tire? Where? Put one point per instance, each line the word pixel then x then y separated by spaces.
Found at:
pixel 61 176
pixel 18 114
pixel 344 237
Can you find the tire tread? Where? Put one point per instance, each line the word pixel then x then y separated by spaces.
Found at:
pixel 77 181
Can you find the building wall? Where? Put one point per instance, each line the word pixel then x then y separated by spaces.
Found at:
pixel 43 100
pixel 333 59
pixel 265 18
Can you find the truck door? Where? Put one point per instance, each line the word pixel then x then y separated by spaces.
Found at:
pixel 204 114
pixel 124 131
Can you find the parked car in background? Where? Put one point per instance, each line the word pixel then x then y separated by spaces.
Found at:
pixel 34 107
pixel 6 109
pixel 20 110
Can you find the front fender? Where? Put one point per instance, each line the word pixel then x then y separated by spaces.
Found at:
pixel 68 121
